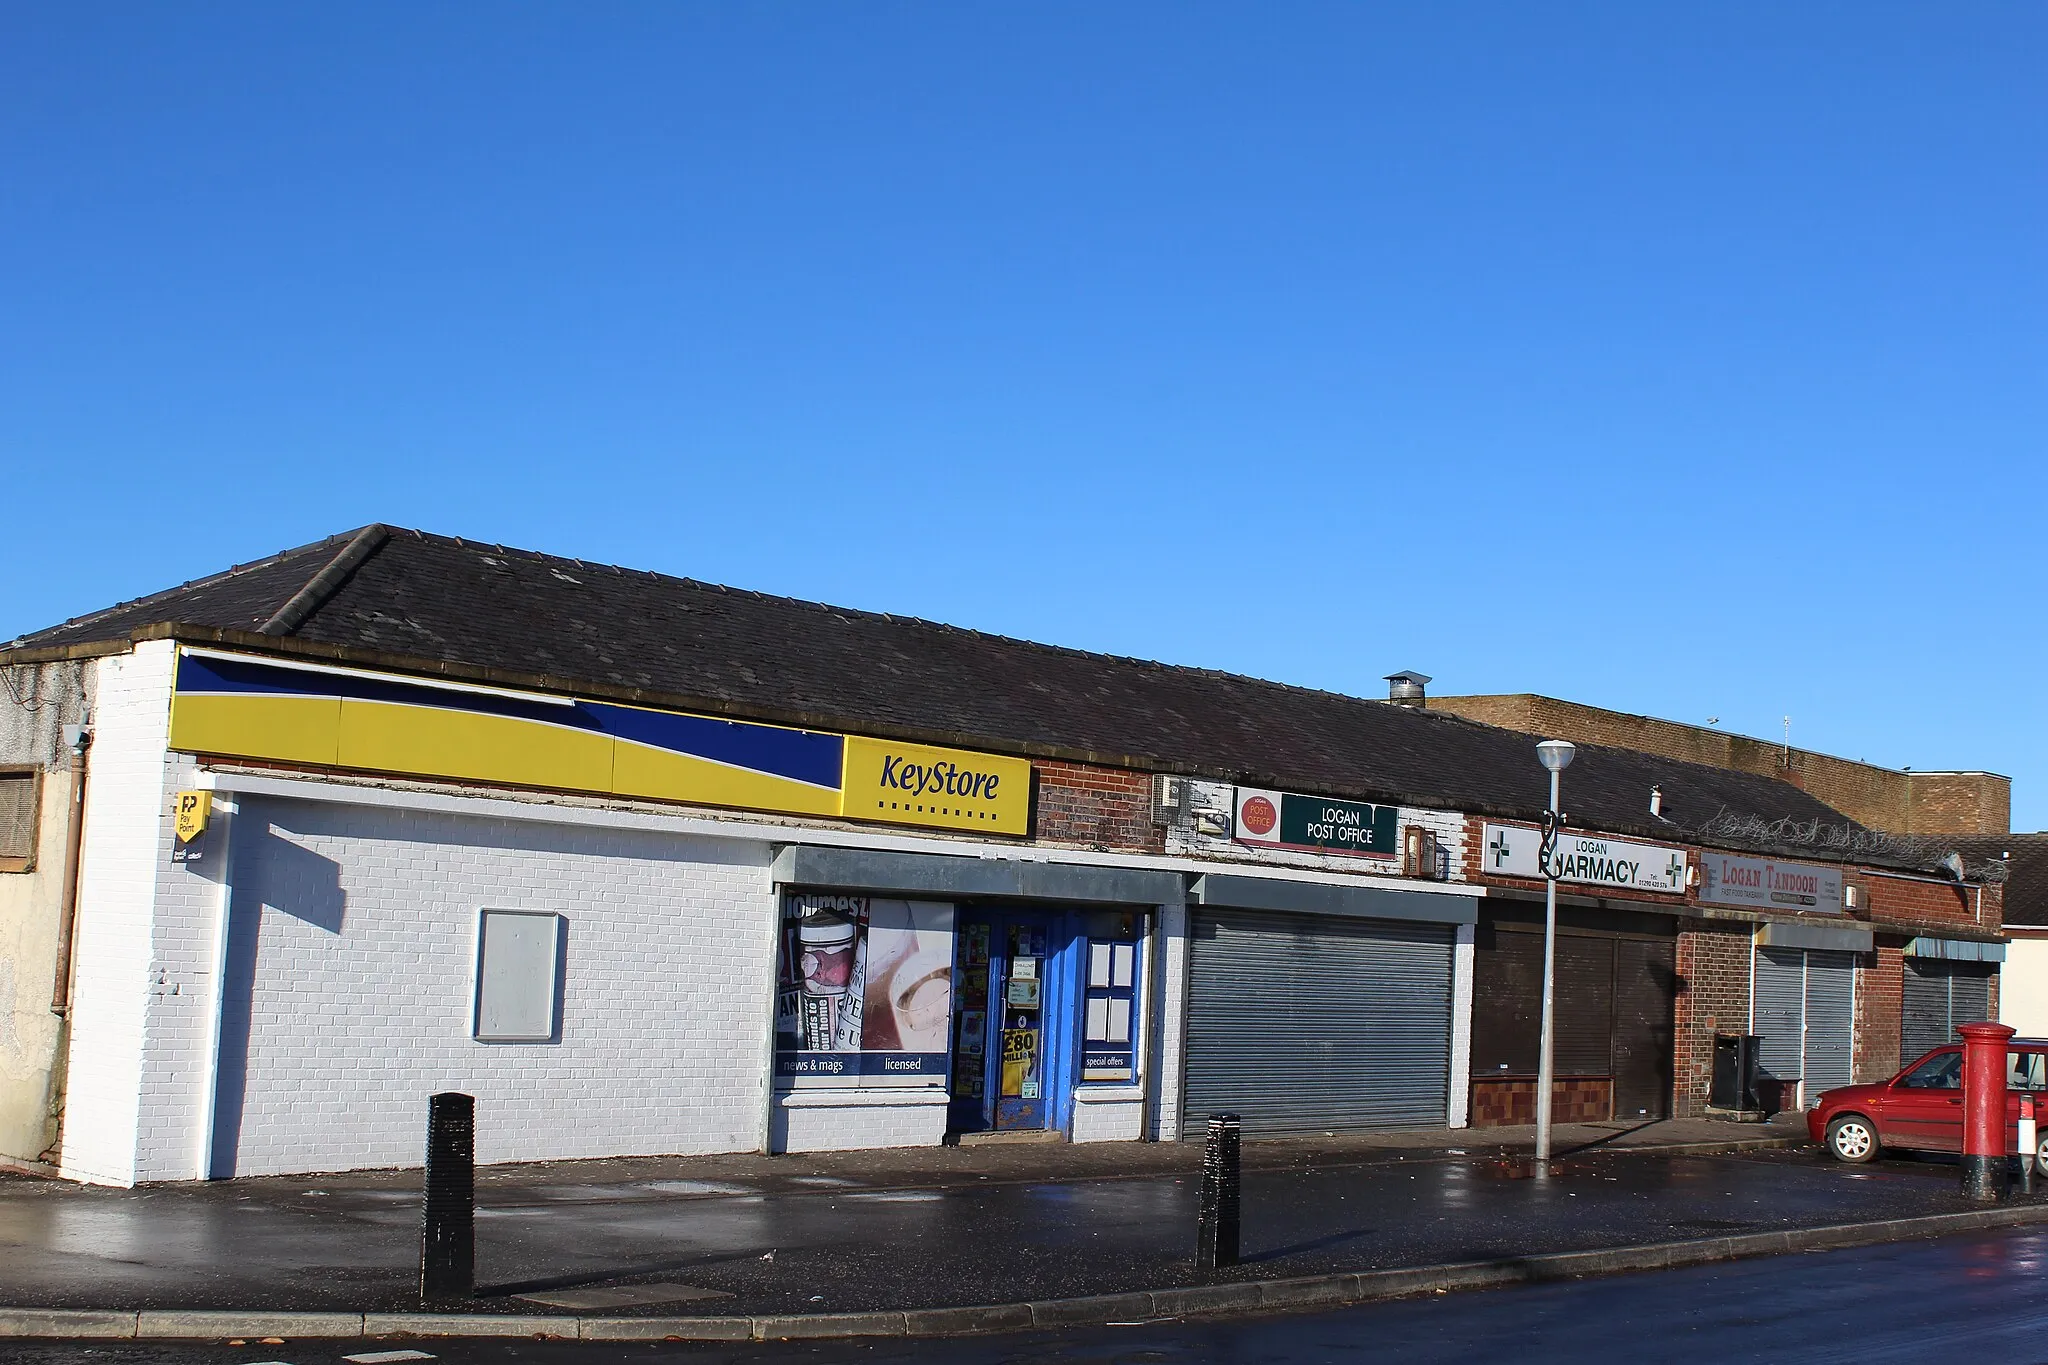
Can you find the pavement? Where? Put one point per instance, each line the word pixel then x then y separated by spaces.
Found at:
pixel 1973 1297
pixel 932 1228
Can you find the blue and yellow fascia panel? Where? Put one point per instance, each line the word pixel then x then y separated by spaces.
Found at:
pixel 328 717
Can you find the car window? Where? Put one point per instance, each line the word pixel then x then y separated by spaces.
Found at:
pixel 1941 1072
pixel 2026 1071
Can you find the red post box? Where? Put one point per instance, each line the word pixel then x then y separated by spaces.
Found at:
pixel 1984 1118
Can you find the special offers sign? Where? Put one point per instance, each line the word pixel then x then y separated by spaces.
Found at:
pixel 1515 851
pixel 1316 824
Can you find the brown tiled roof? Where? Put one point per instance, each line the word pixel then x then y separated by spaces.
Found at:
pixel 426 601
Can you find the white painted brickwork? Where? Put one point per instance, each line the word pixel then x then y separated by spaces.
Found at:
pixel 364 929
pixel 127 840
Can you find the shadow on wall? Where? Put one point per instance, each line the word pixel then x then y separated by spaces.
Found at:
pixel 272 875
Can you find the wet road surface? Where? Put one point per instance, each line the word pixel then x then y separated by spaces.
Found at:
pixel 835 1246
pixel 1963 1298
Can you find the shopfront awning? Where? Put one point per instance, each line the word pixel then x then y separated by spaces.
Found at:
pixel 1840 938
pixel 1956 950
pixel 1326 898
pixel 952 878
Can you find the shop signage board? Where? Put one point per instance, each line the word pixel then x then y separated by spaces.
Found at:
pixel 1592 859
pixel 1766 884
pixel 242 706
pixel 864 991
pixel 1316 824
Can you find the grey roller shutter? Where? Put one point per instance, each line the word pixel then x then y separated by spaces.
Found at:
pixel 1301 1023
pixel 1830 1021
pixel 1923 1013
pixel 1779 1012
pixel 1939 995
pixel 1969 994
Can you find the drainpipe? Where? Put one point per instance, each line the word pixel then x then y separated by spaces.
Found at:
pixel 79 738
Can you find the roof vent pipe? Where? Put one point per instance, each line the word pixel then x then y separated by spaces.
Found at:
pixel 1405 688
pixel 1657 802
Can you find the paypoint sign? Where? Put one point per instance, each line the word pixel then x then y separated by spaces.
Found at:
pixel 1316 824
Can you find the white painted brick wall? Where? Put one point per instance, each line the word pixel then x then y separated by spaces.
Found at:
pixel 1462 962
pixel 835 1120
pixel 1172 1021
pixel 360 1008
pixel 127 840
pixel 1106 1114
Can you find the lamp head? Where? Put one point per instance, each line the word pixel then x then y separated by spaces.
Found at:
pixel 1555 754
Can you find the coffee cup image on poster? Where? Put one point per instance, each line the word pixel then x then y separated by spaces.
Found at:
pixel 864 990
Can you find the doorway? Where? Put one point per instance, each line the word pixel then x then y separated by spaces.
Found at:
pixel 1011 1048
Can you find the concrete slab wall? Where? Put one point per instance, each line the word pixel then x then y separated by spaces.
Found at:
pixel 36 702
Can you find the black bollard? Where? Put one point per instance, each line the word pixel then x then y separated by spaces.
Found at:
pixel 1216 1224
pixel 448 1226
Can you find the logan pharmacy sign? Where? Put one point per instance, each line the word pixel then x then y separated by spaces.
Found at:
pixel 1316 824
pixel 1514 851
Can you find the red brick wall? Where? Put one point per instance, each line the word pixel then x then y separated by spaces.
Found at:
pixel 1882 798
pixel 1713 997
pixel 1880 990
pixel 1934 905
pixel 1103 808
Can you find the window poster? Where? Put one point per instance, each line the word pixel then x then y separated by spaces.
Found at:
pixel 864 990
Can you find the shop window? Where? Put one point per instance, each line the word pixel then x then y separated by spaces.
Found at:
pixel 18 802
pixel 518 976
pixel 1111 1007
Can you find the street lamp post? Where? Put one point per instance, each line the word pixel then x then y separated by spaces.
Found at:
pixel 1555 755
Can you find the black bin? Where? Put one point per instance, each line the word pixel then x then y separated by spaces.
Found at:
pixel 1735 1058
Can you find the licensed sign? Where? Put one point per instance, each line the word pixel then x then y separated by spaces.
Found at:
pixel 1769 885
pixel 1316 824
pixel 1516 851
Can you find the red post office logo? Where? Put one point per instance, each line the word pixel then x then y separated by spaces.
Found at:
pixel 1258 816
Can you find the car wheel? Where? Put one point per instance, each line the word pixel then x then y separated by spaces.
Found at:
pixel 1852 1138
pixel 2041 1158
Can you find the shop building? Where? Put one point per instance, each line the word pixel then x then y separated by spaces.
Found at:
pixel 651 866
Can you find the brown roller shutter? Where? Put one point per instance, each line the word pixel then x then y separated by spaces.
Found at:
pixel 1645 992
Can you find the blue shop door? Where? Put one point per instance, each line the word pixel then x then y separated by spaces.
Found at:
pixel 1012 1039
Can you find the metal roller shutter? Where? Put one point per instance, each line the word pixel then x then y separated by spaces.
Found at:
pixel 1923 1012
pixel 1778 1014
pixel 1939 995
pixel 1310 1024
pixel 1969 994
pixel 1830 1021
pixel 1645 987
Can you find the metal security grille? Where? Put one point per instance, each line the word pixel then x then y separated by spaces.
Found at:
pixel 17 815
pixel 1805 1011
pixel 1778 1015
pixel 1314 1023
pixel 1830 1021
pixel 1938 996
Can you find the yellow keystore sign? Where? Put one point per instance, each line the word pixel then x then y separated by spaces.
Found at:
pixel 910 784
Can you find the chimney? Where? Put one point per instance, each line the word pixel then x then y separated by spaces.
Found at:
pixel 1405 688
pixel 1657 802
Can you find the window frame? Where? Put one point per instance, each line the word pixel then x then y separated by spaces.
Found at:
pixel 35 773
pixel 1125 996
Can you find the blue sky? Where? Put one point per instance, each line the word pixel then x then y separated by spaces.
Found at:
pixel 1680 359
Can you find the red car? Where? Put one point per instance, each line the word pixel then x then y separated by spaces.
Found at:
pixel 1921 1108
